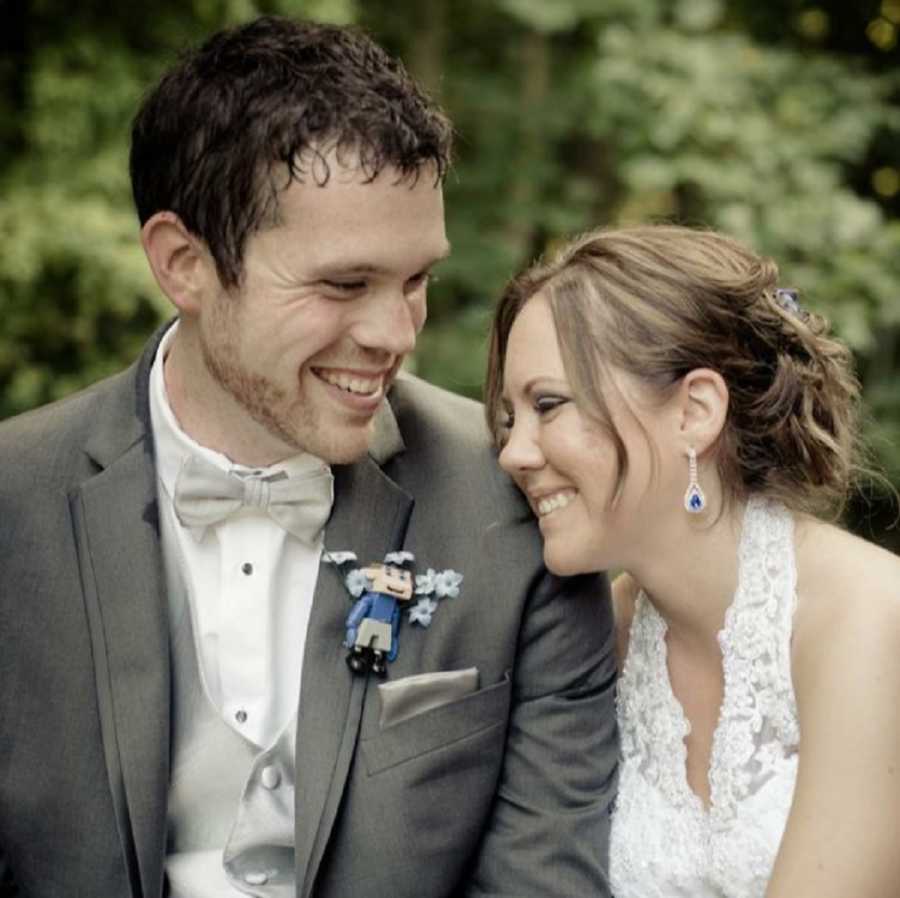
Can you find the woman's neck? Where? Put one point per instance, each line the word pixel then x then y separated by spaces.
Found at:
pixel 692 576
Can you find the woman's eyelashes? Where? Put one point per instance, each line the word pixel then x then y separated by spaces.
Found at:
pixel 545 403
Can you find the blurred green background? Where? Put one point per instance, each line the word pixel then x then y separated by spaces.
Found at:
pixel 774 120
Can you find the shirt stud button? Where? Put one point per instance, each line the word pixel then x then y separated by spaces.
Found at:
pixel 247 568
pixel 270 777
pixel 240 716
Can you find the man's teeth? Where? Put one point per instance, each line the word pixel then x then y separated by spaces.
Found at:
pixel 552 503
pixel 363 386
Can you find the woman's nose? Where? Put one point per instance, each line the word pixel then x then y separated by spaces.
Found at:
pixel 521 452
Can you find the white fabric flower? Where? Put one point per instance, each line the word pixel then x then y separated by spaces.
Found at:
pixel 338 558
pixel 399 558
pixel 421 612
pixel 426 583
pixel 446 584
pixel 356 582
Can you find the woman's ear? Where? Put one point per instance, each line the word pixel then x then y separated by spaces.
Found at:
pixel 703 408
pixel 180 262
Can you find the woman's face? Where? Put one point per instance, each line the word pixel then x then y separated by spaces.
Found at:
pixel 565 463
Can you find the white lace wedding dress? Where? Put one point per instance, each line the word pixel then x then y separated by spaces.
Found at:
pixel 664 842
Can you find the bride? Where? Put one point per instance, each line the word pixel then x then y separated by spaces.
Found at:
pixel 670 411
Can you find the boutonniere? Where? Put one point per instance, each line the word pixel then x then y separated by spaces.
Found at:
pixel 372 628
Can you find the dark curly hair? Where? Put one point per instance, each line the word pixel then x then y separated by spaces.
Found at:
pixel 236 120
pixel 659 301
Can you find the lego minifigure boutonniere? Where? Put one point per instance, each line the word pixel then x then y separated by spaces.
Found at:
pixel 373 624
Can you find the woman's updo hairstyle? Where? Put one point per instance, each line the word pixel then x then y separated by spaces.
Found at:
pixel 659 301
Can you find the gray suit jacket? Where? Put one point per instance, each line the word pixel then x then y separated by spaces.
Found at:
pixel 503 792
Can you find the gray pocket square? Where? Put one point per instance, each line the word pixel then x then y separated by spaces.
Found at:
pixel 409 696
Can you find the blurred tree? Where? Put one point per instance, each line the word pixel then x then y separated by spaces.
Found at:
pixel 76 296
pixel 775 120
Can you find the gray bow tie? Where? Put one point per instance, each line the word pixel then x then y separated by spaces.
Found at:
pixel 205 495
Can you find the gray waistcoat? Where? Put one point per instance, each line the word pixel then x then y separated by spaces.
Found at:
pixel 231 806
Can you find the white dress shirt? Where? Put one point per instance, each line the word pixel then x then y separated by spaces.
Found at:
pixel 251 585
pixel 247 586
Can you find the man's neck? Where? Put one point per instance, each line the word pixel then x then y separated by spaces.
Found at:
pixel 210 415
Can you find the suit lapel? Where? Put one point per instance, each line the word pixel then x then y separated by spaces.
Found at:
pixel 370 517
pixel 116 529
pixel 120 559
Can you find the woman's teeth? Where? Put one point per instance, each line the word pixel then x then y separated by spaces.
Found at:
pixel 551 503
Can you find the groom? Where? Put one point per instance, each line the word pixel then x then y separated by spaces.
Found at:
pixel 176 711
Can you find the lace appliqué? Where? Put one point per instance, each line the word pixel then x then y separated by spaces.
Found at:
pixel 664 842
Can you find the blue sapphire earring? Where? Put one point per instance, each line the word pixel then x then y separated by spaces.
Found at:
pixel 694 500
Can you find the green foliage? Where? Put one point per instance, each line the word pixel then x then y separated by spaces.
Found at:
pixel 570 115
pixel 642 114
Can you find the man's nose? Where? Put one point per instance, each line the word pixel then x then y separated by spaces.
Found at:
pixel 392 322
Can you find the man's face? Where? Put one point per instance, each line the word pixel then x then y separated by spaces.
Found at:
pixel 300 357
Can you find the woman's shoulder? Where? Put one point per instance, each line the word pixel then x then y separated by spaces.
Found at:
pixel 845 670
pixel 838 566
pixel 848 593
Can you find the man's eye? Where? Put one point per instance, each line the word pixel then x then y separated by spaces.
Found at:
pixel 345 286
pixel 418 281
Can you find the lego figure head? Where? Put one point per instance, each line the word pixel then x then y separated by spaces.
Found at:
pixel 390 580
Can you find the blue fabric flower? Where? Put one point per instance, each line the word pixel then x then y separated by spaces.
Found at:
pixel 446 584
pixel 789 300
pixel 421 612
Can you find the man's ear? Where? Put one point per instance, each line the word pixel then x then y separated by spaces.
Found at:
pixel 180 262
pixel 703 408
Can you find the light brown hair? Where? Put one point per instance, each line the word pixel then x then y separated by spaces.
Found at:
pixel 659 301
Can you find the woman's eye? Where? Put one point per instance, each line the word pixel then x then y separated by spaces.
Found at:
pixel 505 422
pixel 545 404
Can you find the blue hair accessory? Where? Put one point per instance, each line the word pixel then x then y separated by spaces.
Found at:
pixel 789 300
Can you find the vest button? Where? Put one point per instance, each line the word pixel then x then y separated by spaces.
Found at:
pixel 270 777
pixel 256 879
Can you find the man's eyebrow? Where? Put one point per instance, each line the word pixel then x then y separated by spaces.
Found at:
pixel 348 268
pixel 351 268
